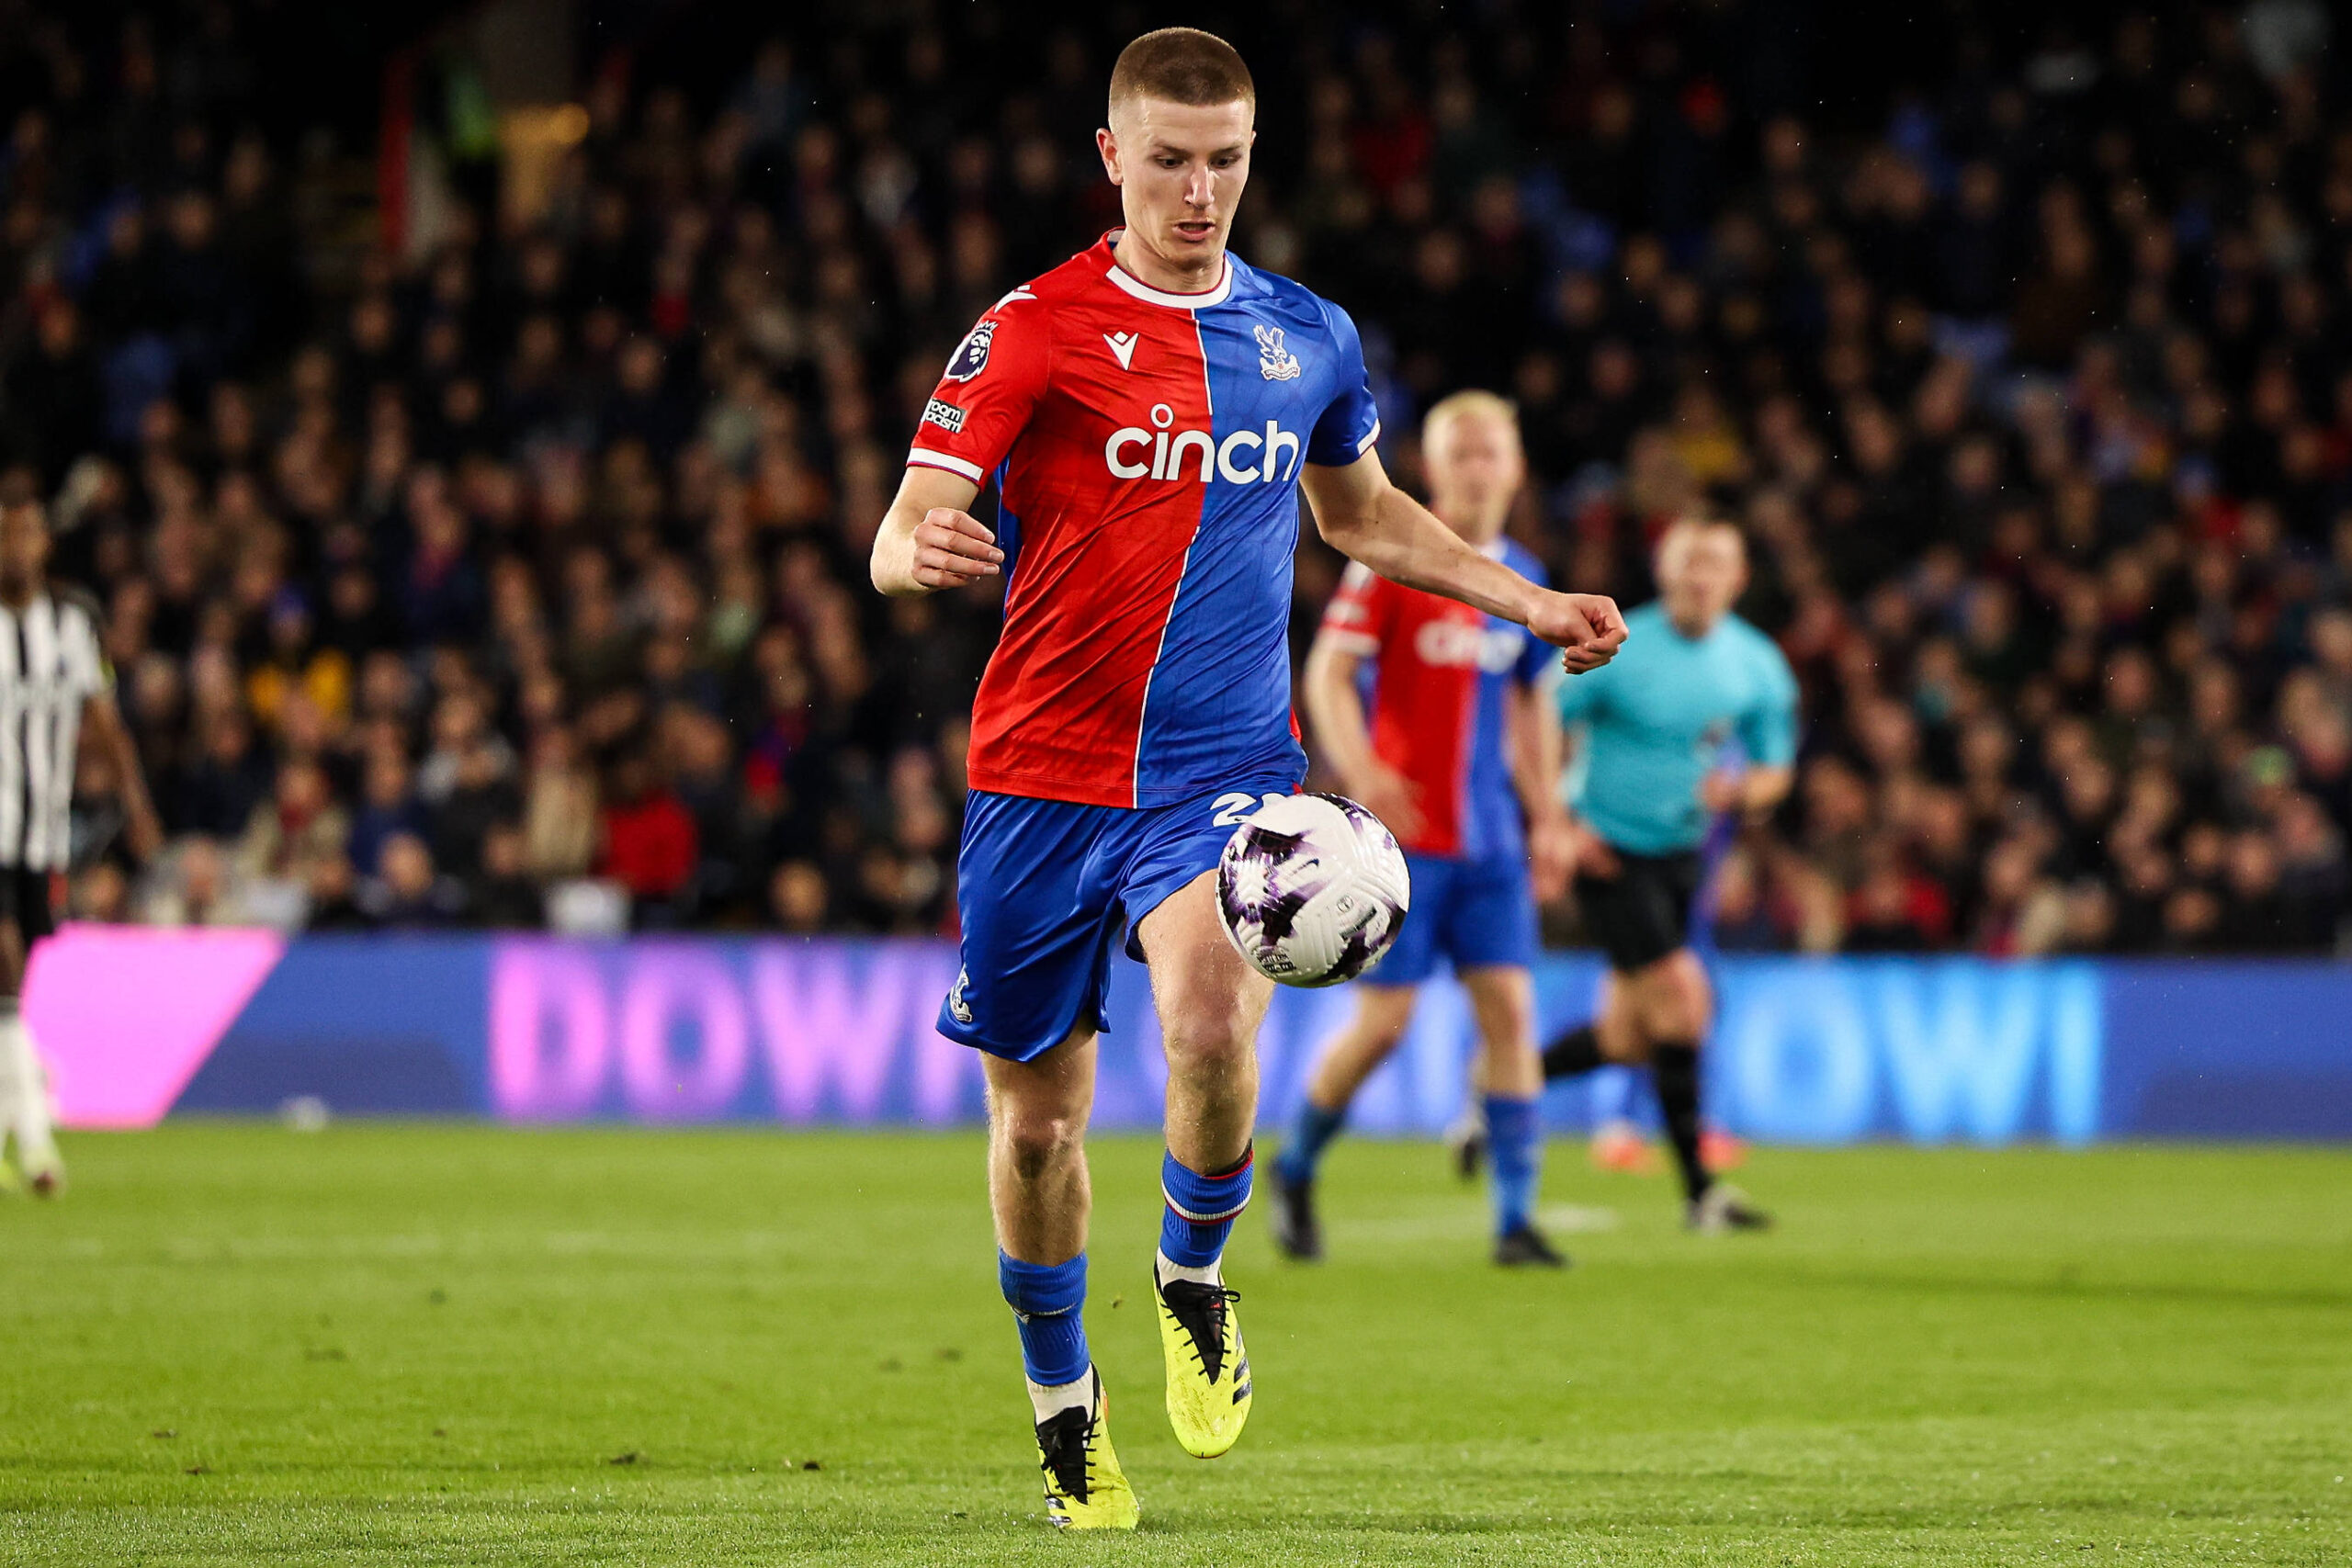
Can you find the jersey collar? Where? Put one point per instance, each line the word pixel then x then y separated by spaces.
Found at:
pixel 1131 284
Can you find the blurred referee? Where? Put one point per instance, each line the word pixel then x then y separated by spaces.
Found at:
pixel 53 680
pixel 1655 730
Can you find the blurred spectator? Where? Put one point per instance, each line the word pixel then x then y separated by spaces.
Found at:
pixel 408 893
pixel 647 843
pixel 504 894
pixel 560 812
pixel 195 888
pixel 289 835
pixel 387 808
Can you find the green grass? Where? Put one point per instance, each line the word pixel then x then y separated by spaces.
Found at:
pixel 413 1345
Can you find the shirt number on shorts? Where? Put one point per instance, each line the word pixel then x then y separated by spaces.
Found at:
pixel 1234 809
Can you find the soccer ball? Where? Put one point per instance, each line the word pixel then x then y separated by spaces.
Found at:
pixel 1313 889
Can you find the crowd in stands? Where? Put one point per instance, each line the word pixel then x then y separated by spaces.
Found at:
pixel 521 574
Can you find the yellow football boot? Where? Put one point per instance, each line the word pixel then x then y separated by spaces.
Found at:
pixel 1208 1372
pixel 1085 1488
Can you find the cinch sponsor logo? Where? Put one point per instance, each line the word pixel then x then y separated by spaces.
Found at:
pixel 1246 457
pixel 1458 645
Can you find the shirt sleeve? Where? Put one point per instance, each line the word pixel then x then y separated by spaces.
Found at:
pixel 87 667
pixel 1578 696
pixel 1361 614
pixel 1350 424
pixel 1768 731
pixel 989 389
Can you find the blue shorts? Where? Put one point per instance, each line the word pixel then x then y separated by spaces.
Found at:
pixel 1045 887
pixel 1479 913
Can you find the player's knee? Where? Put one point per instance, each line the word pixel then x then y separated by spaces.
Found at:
pixel 1382 1029
pixel 1677 1011
pixel 1208 1038
pixel 1038 1143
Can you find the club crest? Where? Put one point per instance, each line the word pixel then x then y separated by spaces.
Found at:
pixel 1275 363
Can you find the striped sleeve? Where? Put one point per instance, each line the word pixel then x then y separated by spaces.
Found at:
pixel 1358 618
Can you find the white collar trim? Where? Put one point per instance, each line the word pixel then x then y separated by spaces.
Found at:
pixel 1150 296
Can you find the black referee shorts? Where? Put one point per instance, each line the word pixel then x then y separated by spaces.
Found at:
pixel 24 898
pixel 1642 913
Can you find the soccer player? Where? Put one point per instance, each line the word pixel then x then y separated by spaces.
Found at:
pixel 1149 412
pixel 1657 725
pixel 1463 739
pixel 53 680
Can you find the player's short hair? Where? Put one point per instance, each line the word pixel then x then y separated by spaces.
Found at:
pixel 1472 402
pixel 1181 66
pixel 1696 525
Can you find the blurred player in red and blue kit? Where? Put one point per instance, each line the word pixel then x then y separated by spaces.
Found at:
pixel 1148 412
pixel 1460 756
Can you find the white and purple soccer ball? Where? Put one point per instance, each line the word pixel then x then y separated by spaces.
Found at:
pixel 1313 889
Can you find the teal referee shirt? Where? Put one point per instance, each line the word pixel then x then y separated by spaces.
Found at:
pixel 1661 715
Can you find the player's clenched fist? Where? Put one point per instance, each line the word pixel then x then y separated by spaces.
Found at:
pixel 953 549
pixel 1586 627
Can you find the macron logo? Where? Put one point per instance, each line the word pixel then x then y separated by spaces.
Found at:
pixel 1123 345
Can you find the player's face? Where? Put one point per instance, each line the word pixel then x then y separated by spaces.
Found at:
pixel 1475 469
pixel 24 544
pixel 1700 574
pixel 1179 169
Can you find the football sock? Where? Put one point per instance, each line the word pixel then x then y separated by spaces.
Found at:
pixel 13 1048
pixel 1200 1210
pixel 1675 1071
pixel 1515 1146
pixel 1577 1051
pixel 1049 1402
pixel 1315 1128
pixel 1048 1301
pixel 23 1102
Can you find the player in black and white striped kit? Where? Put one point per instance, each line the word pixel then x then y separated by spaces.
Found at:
pixel 54 681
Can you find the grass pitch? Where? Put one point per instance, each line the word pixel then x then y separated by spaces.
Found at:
pixel 413 1345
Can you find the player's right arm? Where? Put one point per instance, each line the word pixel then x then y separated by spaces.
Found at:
pixel 929 541
pixel 1352 634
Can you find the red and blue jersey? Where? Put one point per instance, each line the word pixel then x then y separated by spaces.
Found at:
pixel 1441 674
pixel 1146 448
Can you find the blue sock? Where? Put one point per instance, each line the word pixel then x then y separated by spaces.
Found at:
pixel 1315 1128
pixel 1611 1094
pixel 1048 1301
pixel 1515 1146
pixel 1200 1210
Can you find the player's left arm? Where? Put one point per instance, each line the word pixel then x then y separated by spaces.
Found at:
pixel 108 731
pixel 1538 756
pixel 1366 518
pixel 1768 731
